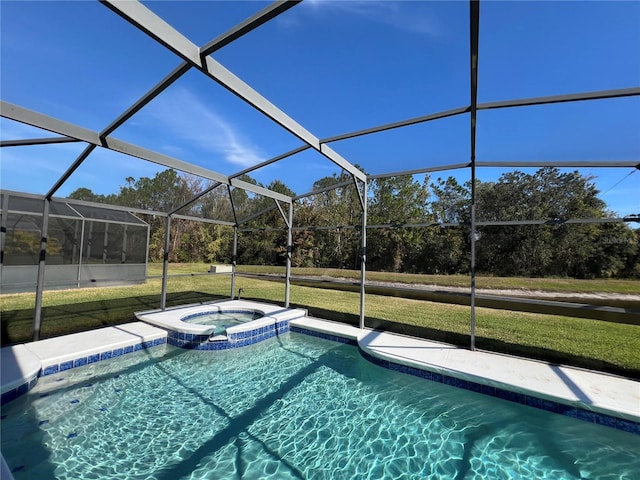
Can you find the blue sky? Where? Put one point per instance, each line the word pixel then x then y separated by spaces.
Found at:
pixel 334 67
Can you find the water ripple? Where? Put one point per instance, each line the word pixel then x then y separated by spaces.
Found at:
pixel 295 407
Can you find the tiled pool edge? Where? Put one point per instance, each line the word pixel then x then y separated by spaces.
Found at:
pixel 22 389
pixel 174 338
pixel 326 336
pixel 274 321
pixel 521 398
pixel 249 337
pixel 193 341
pixel 99 357
pixel 14 393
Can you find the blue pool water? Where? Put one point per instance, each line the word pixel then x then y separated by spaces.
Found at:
pixel 294 407
pixel 222 319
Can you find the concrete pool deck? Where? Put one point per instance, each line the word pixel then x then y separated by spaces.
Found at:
pixel 593 391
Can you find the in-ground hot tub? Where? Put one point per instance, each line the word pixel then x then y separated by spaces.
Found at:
pixel 222 319
pixel 222 325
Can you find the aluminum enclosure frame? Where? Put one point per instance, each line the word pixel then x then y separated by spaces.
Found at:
pixel 77 270
pixel 194 57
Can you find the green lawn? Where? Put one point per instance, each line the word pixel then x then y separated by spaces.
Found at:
pixel 588 343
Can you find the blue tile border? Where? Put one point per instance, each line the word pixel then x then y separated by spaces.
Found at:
pixel 326 336
pixel 516 397
pixel 79 362
pixel 18 391
pixel 239 339
pixel 250 337
pixel 98 357
pixel 75 363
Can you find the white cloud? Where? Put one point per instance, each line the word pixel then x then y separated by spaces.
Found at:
pixel 408 16
pixel 189 119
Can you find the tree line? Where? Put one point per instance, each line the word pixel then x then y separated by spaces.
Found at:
pixel 414 227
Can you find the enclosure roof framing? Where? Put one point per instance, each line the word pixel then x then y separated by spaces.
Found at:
pixel 37 141
pixel 73 133
pixel 130 112
pixel 573 97
pixel 497 223
pixel 564 164
pixel 147 21
pixel 108 206
pixel 203 130
pixel 204 220
pixel 51 124
pixel 85 203
pixel 199 58
pixel 577 97
pixel 70 209
pixel 268 13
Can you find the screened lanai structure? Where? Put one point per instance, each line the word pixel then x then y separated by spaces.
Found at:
pixel 243 98
pixel 86 245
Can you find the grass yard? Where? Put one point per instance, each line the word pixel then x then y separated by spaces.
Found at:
pixel 592 344
pixel 568 285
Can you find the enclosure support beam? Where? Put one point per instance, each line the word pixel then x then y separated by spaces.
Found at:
pixel 572 97
pixel 37 320
pixel 81 249
pixel 363 246
pixel 418 171
pixel 123 253
pixel 37 141
pixel 89 241
pixel 165 265
pixel 256 215
pixel 146 254
pixel 234 261
pixel 197 197
pixel 233 207
pixel 288 220
pixel 3 228
pixel 556 221
pixel 28 117
pixel 287 292
pixel 391 126
pixel 474 23
pixel 105 243
pixel 260 18
pixel 564 164
pixel 577 97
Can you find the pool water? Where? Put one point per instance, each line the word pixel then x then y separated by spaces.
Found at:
pixel 294 407
pixel 221 320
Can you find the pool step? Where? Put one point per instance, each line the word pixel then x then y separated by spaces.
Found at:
pixel 22 364
pixel 218 338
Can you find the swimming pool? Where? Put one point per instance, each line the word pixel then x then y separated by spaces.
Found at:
pixel 294 406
